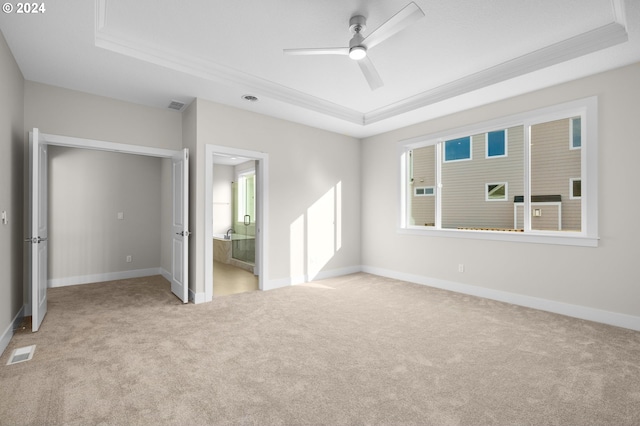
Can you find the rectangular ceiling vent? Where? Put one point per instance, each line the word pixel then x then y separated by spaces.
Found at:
pixel 21 354
pixel 177 105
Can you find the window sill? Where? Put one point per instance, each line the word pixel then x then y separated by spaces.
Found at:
pixel 540 237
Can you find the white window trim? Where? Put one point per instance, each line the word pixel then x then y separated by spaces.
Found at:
pixel 506 192
pixel 506 144
pixel 588 237
pixel 571 196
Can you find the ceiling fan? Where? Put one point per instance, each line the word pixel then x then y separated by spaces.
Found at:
pixel 359 44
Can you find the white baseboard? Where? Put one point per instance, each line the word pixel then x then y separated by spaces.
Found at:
pixel 97 278
pixel 7 334
pixel 576 311
pixel 197 297
pixel 301 279
pixel 165 274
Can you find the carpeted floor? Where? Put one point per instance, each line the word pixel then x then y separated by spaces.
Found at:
pixel 359 349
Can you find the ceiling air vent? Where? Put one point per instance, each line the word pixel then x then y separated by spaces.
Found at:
pixel 177 105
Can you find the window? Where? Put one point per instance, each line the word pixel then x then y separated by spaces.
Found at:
pixel 424 191
pixel 497 144
pixel 575 188
pixel 575 137
pixel 246 197
pixel 496 191
pixel 457 149
pixel 522 197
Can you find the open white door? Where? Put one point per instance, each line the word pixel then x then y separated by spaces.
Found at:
pixel 180 222
pixel 38 228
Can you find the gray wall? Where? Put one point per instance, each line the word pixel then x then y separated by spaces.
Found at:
pixel 307 167
pixel 70 113
pixel 602 278
pixel 87 189
pixel 11 190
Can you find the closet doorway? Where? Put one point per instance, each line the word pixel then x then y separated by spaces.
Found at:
pixel 37 238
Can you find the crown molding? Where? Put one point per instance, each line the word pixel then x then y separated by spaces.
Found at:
pixel 212 71
pixel 574 47
pixel 582 44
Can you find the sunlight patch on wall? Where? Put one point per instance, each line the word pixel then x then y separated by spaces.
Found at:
pixel 297 251
pixel 315 237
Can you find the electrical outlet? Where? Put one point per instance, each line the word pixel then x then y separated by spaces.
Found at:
pixel 129 259
pixel 460 267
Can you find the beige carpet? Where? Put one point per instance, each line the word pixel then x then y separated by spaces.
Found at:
pixel 360 349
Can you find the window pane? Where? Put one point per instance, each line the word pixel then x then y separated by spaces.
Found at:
pixel 496 191
pixel 553 164
pixel 246 195
pixel 464 185
pixel 576 188
pixel 422 209
pixel 457 149
pixel 496 145
pixel 576 132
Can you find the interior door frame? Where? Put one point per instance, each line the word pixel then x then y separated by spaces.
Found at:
pixel 74 142
pixel 262 209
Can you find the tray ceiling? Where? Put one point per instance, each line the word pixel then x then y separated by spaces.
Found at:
pixel 461 54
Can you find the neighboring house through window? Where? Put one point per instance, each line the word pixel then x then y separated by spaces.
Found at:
pixel 525 168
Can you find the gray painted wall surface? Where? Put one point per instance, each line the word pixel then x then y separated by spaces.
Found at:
pixel 307 167
pixel 87 189
pixel 12 148
pixel 602 278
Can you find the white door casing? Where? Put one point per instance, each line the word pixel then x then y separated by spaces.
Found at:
pixel 38 192
pixel 180 225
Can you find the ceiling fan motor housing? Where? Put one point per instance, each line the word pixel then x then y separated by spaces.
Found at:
pixel 357 24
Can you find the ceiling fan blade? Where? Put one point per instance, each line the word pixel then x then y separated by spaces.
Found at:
pixel 370 73
pixel 318 51
pixel 395 24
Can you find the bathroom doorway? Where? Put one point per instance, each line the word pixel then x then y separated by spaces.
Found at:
pixel 236 231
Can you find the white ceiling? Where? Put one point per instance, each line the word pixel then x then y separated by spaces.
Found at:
pixel 461 54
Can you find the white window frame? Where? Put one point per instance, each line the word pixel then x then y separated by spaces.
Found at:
pixel 491 200
pixel 586 108
pixel 432 188
pixel 506 144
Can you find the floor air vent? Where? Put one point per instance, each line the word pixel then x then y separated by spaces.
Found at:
pixel 21 354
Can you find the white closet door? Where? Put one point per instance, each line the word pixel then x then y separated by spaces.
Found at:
pixel 180 223
pixel 38 228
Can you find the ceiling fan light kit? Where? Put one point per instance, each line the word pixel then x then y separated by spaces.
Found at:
pixel 359 45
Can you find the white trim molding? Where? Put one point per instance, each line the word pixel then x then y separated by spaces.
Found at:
pixel 7 334
pixel 108 276
pixel 570 310
pixel 593 40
